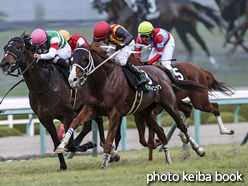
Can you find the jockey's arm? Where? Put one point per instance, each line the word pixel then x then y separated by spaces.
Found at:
pixel 138 48
pixel 52 50
pixel 122 33
pixel 160 47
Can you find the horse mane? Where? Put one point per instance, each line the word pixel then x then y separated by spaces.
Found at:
pixel 96 47
pixel 27 41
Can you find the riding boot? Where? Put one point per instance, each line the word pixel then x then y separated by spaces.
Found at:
pixel 62 62
pixel 142 79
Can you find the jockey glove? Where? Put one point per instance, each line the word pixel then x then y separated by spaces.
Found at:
pixel 118 47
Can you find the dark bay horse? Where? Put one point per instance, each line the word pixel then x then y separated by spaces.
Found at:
pixel 49 91
pixel 108 93
pixel 199 100
pixel 231 11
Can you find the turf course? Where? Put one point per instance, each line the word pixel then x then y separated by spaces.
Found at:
pixel 132 168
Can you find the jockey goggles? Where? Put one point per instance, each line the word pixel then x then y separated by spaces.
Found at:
pixel 145 36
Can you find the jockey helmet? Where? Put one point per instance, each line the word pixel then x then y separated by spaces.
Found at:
pixel 145 28
pixel 38 37
pixel 66 34
pixel 101 30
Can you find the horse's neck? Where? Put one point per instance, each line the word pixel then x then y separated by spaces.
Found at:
pixel 36 77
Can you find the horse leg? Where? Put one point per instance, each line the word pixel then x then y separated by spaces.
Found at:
pixel 50 127
pixel 148 117
pixel 182 34
pixel 99 122
pixel 206 106
pixel 117 141
pixel 174 113
pixel 192 30
pixel 114 122
pixel 186 108
pixel 223 129
pixel 86 114
pixel 140 124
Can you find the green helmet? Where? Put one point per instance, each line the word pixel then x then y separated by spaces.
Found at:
pixel 145 28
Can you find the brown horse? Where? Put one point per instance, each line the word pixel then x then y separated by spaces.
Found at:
pixel 49 91
pixel 199 100
pixel 108 93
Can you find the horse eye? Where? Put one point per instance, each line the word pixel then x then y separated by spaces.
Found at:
pixel 18 47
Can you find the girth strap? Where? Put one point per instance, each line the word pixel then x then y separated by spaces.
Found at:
pixel 137 102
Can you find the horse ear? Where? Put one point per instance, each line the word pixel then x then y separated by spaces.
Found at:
pixel 11 37
pixel 23 34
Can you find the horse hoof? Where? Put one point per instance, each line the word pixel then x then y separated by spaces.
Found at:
pixel 117 158
pixel 201 152
pixel 231 131
pixel 104 165
pixel 169 162
pixel 227 131
pixel 59 150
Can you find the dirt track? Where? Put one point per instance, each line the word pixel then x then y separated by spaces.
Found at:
pixel 18 148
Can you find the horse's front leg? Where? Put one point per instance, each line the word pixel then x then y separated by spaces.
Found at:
pixel 84 116
pixel 109 148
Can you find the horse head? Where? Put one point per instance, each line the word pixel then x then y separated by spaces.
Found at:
pixel 83 60
pixel 15 54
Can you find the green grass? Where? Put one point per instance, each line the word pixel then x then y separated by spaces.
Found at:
pixel 131 170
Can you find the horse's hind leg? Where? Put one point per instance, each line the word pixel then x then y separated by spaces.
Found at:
pixel 174 113
pixel 186 108
pixel 223 129
pixel 140 124
pixel 152 124
pixel 205 106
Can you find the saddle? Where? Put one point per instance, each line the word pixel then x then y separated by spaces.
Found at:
pixel 152 85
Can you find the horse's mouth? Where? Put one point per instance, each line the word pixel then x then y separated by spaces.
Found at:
pixel 8 70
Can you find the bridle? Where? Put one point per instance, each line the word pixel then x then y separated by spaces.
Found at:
pixel 20 57
pixel 89 68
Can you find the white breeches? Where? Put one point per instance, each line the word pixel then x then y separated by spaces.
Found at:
pixel 121 57
pixel 64 52
pixel 167 53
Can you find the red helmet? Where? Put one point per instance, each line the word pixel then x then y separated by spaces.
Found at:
pixel 101 30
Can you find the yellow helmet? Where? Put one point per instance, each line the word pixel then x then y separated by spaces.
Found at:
pixel 145 28
pixel 66 34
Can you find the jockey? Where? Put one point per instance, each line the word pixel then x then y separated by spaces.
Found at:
pixel 74 40
pixel 161 41
pixel 58 49
pixel 118 36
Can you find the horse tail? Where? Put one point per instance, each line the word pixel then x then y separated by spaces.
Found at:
pixel 183 84
pixel 214 85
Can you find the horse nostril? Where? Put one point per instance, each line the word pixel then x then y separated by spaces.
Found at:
pixel 75 79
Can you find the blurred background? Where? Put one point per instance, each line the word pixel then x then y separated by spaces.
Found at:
pixel 199 28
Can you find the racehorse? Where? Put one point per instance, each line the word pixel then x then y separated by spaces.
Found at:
pixel 181 15
pixel 231 10
pixel 199 100
pixel 49 91
pixel 108 93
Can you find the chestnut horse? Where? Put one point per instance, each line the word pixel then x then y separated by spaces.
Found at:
pixel 49 91
pixel 108 93
pixel 199 100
